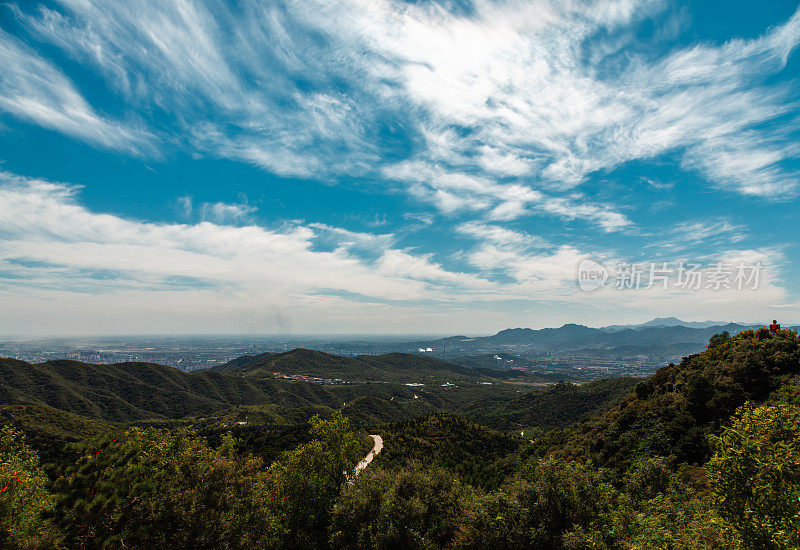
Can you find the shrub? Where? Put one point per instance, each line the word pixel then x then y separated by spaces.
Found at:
pixel 151 488
pixel 305 482
pixel 23 495
pixel 410 508
pixel 755 474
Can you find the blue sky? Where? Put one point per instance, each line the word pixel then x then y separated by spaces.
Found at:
pixel 387 166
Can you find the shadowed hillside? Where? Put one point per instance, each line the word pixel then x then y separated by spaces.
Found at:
pixel 394 367
pixel 472 451
pixel 136 391
pixel 673 412
pixel 247 388
pixel 555 406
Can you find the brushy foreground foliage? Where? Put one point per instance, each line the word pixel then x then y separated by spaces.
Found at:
pixel 705 454
pixel 123 487
pixel 756 475
pixel 24 497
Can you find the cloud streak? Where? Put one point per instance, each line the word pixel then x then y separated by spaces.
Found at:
pixel 502 105
pixel 33 89
pixel 56 253
pixel 42 224
pixel 527 133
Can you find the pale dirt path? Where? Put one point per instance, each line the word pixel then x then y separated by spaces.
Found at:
pixel 377 448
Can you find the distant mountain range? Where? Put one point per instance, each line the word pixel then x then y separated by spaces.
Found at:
pixel 665 338
pixel 667 322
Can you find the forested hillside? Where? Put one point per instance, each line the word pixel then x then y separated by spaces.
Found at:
pixel 392 367
pixel 129 392
pixel 704 454
pixel 557 405
pixel 138 391
pixel 681 405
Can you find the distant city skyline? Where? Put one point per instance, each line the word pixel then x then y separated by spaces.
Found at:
pixel 349 167
pixel 617 350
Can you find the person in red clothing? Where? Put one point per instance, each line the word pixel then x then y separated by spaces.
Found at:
pixel 774 327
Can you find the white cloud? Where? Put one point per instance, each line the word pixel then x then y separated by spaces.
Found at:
pixel 186 205
pixel 703 231
pixel 109 274
pixel 452 192
pixel 544 274
pixel 223 213
pixel 399 263
pixel 536 267
pixel 35 90
pixel 506 95
pixel 497 235
pixel 43 224
pixel 749 163
pixel 220 213
pixel 517 76
pixel 339 236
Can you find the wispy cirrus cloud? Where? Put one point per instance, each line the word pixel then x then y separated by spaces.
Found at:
pixel 476 115
pixel 701 231
pixel 548 94
pixel 498 235
pixel 503 104
pixel 452 191
pixel 365 242
pixel 697 236
pixel 35 90
pixel 246 84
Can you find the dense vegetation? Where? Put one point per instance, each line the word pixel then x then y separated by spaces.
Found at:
pixel 472 452
pixel 73 399
pixel 392 367
pixel 557 405
pixel 674 412
pixel 705 454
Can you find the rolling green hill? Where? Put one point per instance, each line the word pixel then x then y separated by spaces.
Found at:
pixel 391 367
pixel 673 412
pixel 554 406
pixel 247 389
pixel 127 392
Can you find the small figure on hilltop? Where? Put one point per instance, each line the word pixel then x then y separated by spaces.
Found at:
pixel 774 327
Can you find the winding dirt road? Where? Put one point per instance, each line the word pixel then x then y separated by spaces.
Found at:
pixel 377 448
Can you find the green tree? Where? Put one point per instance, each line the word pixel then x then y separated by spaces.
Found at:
pixel 23 495
pixel 409 508
pixel 755 474
pixel 560 497
pixel 719 339
pixel 665 509
pixel 152 488
pixel 305 482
